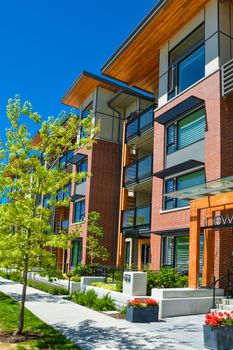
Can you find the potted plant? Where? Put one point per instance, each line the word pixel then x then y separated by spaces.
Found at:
pixel 218 331
pixel 142 310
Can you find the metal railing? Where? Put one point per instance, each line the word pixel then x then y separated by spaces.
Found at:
pixel 227 78
pixel 140 124
pixel 228 277
pixel 138 170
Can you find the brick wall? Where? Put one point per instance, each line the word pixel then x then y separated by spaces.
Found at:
pixel 209 90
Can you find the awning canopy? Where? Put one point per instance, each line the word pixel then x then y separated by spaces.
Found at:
pixel 185 166
pixel 210 188
pixel 77 158
pixel 181 108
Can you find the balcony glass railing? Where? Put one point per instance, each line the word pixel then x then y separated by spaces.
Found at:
pixel 136 217
pixel 139 170
pixel 141 123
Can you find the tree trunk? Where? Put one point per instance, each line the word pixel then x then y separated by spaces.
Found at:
pixel 23 299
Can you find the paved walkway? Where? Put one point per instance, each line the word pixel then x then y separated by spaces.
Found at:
pixel 92 330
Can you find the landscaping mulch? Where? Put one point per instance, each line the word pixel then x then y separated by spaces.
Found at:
pixel 8 337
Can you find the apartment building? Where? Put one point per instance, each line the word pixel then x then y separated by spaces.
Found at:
pixel 110 103
pixel 162 167
pixel 180 53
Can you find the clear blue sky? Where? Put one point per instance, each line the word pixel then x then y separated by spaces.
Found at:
pixel 45 44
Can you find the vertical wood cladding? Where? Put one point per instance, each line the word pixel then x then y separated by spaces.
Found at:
pixel 104 191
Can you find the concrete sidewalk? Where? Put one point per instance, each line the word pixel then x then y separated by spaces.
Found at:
pixel 92 330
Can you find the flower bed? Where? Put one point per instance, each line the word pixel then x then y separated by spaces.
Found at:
pixel 218 331
pixel 142 310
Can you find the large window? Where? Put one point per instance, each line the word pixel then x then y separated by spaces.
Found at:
pixel 82 168
pixel 180 183
pixel 175 252
pixel 187 62
pixel 186 131
pixel 76 255
pixel 79 211
pixel 85 113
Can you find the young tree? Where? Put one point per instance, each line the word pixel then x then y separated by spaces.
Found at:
pixel 25 225
pixel 95 250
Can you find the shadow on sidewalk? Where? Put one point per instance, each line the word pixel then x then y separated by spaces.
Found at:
pixel 89 337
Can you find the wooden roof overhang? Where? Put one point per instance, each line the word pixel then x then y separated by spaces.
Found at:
pixel 136 62
pixel 86 83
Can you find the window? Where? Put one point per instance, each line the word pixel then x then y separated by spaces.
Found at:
pixel 187 62
pixel 64 159
pixel 64 192
pixel 175 252
pixel 76 255
pixel 82 167
pixel 79 211
pixel 45 201
pixel 127 254
pixel 180 183
pixel 146 255
pixel 186 131
pixel 85 113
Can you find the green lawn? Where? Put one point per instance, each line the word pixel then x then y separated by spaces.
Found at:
pixel 50 340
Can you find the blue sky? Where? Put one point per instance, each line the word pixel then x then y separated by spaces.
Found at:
pixel 45 44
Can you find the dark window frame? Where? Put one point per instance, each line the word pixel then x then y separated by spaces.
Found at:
pixel 83 133
pixel 82 162
pixel 175 188
pixel 175 125
pixel 174 67
pixel 81 215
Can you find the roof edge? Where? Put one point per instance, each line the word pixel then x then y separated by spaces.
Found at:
pixel 107 82
pixel 134 33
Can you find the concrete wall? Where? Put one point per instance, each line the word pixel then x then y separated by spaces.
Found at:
pixel 195 151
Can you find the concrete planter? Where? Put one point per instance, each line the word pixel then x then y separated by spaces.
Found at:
pixel 142 314
pixel 218 338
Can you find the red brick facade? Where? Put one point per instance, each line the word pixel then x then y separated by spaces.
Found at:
pixel 208 90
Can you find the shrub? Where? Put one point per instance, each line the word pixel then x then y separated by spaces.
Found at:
pixel 90 299
pixel 12 275
pixel 122 311
pixel 166 278
pixel 85 298
pixel 104 286
pixel 105 304
pixel 48 288
pixel 119 286
pixel 82 270
pixel 76 279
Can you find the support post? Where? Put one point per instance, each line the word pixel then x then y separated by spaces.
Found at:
pixel 194 247
pixel 209 251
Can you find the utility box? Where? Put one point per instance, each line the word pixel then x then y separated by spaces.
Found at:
pixel 135 283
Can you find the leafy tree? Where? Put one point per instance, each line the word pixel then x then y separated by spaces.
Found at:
pixel 28 172
pixel 95 250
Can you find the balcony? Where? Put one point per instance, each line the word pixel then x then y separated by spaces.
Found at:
pixel 139 125
pixel 138 171
pixel 135 221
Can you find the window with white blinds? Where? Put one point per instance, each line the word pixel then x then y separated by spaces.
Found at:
pixel 191 129
pixel 186 131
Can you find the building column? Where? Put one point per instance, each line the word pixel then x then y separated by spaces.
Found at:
pixel 194 248
pixel 209 251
